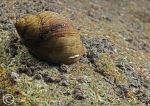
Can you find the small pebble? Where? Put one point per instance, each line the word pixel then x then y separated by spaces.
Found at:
pixel 64 82
pixel 100 99
pixel 2 91
pixel 83 79
pixel 49 79
pixel 67 93
pixel 14 76
pixel 64 68
pixel 37 76
pixel 79 94
pixel 84 60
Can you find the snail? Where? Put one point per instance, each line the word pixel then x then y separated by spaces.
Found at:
pixel 50 37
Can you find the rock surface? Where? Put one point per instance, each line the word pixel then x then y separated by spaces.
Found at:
pixel 115 71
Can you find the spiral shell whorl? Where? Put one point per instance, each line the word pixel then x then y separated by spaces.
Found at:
pixel 51 37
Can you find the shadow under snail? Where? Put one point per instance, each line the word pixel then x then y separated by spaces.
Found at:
pixel 50 37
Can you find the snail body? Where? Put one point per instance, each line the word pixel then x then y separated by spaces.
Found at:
pixel 50 37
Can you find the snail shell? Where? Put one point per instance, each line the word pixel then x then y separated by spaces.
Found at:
pixel 50 37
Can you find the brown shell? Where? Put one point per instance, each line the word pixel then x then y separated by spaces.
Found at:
pixel 51 37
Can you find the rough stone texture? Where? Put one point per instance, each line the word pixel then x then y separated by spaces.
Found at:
pixel 115 71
